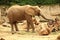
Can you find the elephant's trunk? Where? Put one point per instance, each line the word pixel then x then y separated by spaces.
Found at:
pixel 55 14
pixel 45 17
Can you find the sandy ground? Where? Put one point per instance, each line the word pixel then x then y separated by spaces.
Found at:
pixel 5 32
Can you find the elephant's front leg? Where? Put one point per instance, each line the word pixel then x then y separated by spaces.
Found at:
pixel 16 27
pixel 32 25
pixel 29 22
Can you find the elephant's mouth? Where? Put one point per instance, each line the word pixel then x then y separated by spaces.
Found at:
pixel 38 14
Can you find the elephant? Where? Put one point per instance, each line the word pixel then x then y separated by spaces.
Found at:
pixel 17 13
pixel 55 14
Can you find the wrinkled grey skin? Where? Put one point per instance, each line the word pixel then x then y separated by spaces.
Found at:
pixel 18 13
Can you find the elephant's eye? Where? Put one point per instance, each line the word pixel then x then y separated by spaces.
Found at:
pixel 38 10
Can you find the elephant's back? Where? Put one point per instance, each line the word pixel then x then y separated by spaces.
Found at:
pixel 17 8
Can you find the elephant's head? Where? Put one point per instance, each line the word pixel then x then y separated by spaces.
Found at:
pixel 34 10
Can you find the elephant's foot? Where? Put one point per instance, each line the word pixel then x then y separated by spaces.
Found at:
pixel 13 32
pixel 17 30
pixel 33 30
pixel 27 30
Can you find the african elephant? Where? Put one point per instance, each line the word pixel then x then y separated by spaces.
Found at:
pixel 18 13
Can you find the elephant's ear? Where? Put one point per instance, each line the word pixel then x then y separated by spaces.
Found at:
pixel 30 11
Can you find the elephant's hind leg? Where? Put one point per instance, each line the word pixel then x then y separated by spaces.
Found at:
pixel 28 26
pixel 16 28
pixel 12 29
